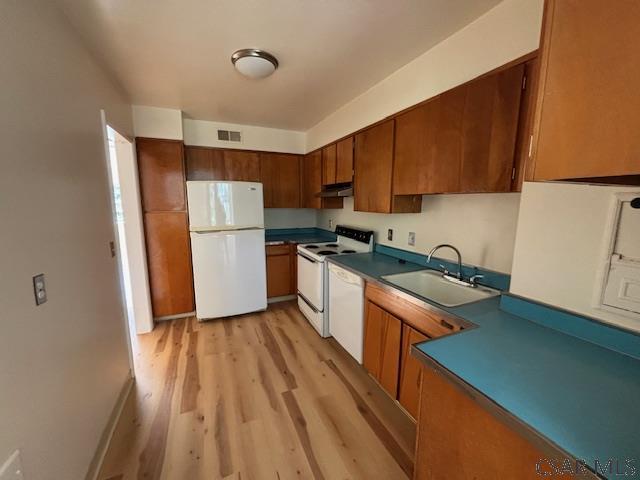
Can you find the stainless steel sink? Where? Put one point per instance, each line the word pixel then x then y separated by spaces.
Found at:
pixel 431 285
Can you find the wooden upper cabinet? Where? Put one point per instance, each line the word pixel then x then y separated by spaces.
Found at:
pixel 587 113
pixel 344 160
pixel 490 125
pixel 161 172
pixel 428 148
pixel 241 166
pixel 461 141
pixel 311 183
pixel 169 260
pixel 410 371
pixel 382 347
pixel 311 179
pixel 204 163
pixel 280 174
pixel 373 162
pixel 329 158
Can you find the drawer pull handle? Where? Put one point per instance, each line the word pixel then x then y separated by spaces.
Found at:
pixel 446 324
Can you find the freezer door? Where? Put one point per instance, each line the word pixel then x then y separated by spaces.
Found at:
pixel 217 206
pixel 229 272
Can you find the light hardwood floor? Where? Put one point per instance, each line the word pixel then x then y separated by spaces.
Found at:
pixel 252 397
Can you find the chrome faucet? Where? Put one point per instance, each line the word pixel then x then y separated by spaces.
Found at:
pixel 446 245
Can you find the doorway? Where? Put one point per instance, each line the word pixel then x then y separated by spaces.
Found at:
pixel 129 245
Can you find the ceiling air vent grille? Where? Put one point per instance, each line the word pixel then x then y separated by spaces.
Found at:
pixel 229 136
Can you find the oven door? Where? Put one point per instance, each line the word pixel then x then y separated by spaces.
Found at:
pixel 311 281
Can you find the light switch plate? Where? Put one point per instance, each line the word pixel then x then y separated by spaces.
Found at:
pixel 12 468
pixel 412 238
pixel 39 289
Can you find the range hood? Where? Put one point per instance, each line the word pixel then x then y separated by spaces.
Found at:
pixel 337 190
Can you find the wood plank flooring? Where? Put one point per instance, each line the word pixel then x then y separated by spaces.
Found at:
pixel 258 396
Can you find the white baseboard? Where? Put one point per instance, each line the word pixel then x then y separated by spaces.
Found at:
pixel 107 434
pixel 281 299
pixel 173 317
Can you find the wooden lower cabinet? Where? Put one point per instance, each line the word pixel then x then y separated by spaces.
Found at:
pixel 169 260
pixel 392 325
pixel 410 371
pixel 459 439
pixel 281 270
pixel 382 347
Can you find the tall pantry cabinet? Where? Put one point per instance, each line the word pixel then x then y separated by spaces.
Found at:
pixel 164 205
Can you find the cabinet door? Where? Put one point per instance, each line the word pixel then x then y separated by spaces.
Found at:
pixel 489 131
pixel 279 282
pixel 241 166
pixel 169 259
pixel 204 163
pixel 410 371
pixel 587 116
pixel 382 347
pixel 373 167
pixel 161 172
pixel 280 174
pixel 329 164
pixel 311 181
pixel 344 160
pixel 428 146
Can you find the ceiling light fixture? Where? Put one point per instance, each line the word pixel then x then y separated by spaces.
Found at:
pixel 254 63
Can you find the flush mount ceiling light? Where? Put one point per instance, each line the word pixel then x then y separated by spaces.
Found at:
pixel 254 63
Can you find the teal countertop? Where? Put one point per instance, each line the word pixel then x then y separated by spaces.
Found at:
pixel 298 235
pixel 574 381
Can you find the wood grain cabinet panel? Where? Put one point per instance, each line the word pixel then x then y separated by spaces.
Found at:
pixel 382 347
pixel 410 371
pixel 373 165
pixel 344 160
pixel 169 259
pixel 281 270
pixel 241 166
pixel 329 159
pixel 587 115
pixel 204 163
pixel 311 183
pixel 161 173
pixel 490 125
pixel 280 174
pixel 458 439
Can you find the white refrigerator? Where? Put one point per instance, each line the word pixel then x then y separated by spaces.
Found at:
pixel 226 223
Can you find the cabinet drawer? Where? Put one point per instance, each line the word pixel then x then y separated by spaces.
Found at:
pixel 429 322
pixel 278 249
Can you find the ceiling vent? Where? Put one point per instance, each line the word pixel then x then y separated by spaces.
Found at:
pixel 229 136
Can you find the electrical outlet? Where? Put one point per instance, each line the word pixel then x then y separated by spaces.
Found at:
pixel 390 234
pixel 412 238
pixel 39 289
pixel 330 223
pixel 12 468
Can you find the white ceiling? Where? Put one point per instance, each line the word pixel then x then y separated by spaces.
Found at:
pixel 176 53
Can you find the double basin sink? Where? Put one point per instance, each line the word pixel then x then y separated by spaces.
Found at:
pixel 432 285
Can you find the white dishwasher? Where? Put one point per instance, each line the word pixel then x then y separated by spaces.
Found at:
pixel 346 310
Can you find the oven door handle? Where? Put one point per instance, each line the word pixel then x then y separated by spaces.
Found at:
pixel 304 299
pixel 307 258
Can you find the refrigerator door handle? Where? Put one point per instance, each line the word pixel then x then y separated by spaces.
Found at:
pixel 307 258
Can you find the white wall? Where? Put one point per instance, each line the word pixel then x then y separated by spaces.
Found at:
pixel 155 122
pixel 63 364
pixel 482 226
pixel 509 30
pixel 290 217
pixel 559 244
pixel 205 134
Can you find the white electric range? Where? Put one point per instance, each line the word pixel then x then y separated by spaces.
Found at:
pixel 313 272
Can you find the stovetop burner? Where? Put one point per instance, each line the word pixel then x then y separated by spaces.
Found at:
pixel 347 251
pixel 311 247
pixel 326 252
pixel 331 245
